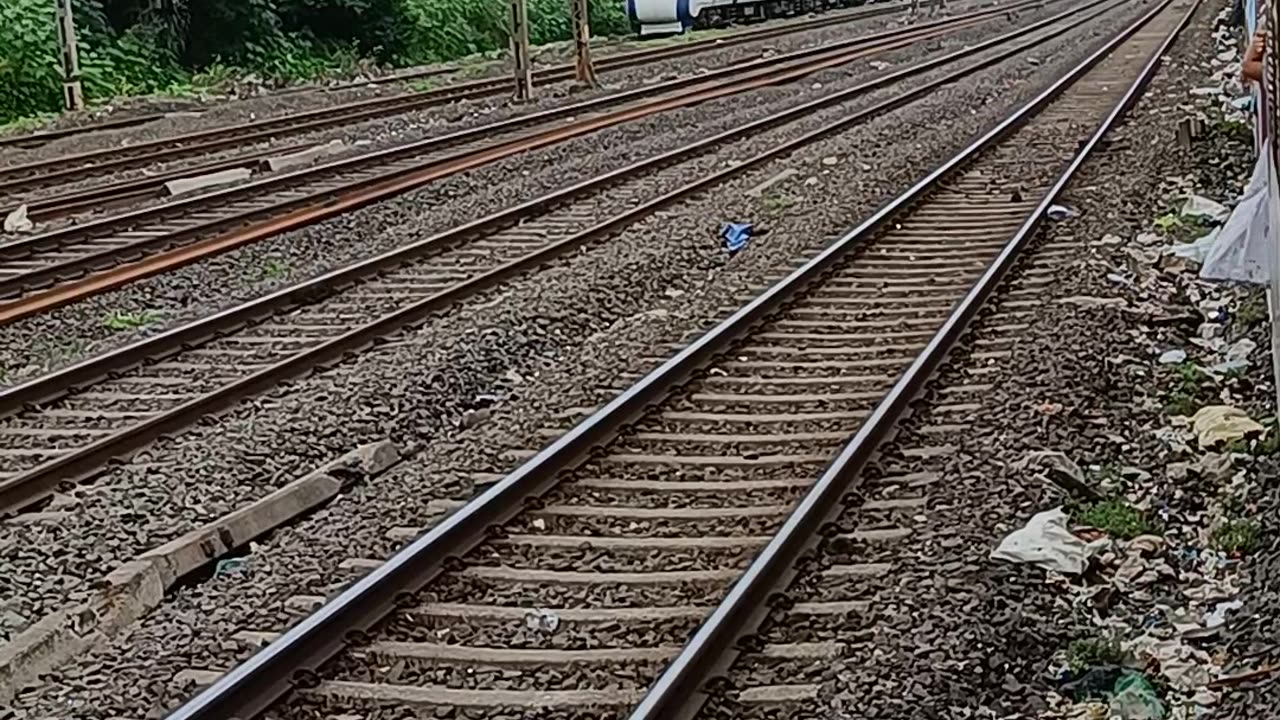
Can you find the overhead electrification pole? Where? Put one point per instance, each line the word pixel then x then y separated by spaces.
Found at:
pixel 72 93
pixel 585 70
pixel 520 50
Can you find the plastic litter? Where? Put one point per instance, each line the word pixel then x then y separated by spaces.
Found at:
pixel 736 236
pixel 1096 682
pixel 1060 212
pixel 1240 249
pixel 1236 357
pixel 542 620
pixel 1197 250
pixel 1215 424
pixel 1199 206
pixel 1217 617
pixel 1172 357
pixel 17 221
pixel 1185 667
pixel 230 566
pixel 1045 542
pixel 1133 698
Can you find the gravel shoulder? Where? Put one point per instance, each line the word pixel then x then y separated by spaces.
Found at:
pixel 540 345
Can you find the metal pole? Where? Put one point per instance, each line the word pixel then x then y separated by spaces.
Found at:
pixel 72 92
pixel 520 50
pixel 585 70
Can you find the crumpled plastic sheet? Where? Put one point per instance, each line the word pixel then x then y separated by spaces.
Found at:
pixel 1045 541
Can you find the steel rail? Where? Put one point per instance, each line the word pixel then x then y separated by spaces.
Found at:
pixel 31 485
pixel 604 63
pixel 324 203
pixel 252 686
pixel 677 694
pixel 95 162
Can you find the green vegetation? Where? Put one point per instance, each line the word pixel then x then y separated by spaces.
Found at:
pixel 1183 228
pixel 1117 517
pixel 1085 653
pixel 1185 389
pixel 777 202
pixel 273 268
pixel 1235 536
pixel 181 47
pixel 120 320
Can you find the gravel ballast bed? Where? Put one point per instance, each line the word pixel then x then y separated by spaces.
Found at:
pixel 55 339
pixel 275 105
pixel 545 343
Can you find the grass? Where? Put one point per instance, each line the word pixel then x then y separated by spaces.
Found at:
pixel 1117 517
pixel 1085 653
pixel 120 320
pixel 27 124
pixel 1236 536
pixel 1183 228
pixel 1183 394
pixel 776 202
pixel 425 84
pixel 272 269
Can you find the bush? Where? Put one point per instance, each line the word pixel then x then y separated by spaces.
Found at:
pixel 133 47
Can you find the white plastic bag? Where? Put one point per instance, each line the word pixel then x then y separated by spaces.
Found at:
pixel 1240 252
pixel 1046 542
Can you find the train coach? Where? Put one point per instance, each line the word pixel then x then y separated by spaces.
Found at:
pixel 667 17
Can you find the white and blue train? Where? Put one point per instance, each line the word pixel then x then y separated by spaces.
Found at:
pixel 668 17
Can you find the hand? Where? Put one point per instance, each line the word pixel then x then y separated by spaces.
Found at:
pixel 1251 68
pixel 1257 47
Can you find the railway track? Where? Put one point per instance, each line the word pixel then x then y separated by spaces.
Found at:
pixel 44 271
pixel 67 425
pixel 26 177
pixel 650 534
pixel 495 86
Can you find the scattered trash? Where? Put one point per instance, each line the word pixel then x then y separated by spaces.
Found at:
pixel 1062 471
pixel 736 236
pixel 542 620
pixel 1215 424
pixel 1060 212
pixel 1217 617
pixel 1241 248
pixel 1172 357
pixel 1237 356
pixel 830 160
pixel 1095 682
pixel 878 64
pixel 1196 250
pixel 17 221
pixel 1185 667
pixel 230 566
pixel 1045 542
pixel 1133 698
pixel 1200 206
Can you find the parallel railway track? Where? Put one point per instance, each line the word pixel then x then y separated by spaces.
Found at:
pixel 26 177
pixel 54 268
pixel 69 424
pixel 495 86
pixel 651 533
